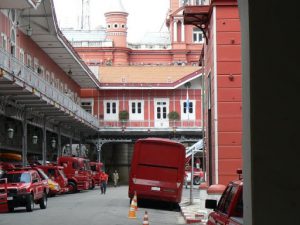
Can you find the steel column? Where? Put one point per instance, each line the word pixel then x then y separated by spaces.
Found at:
pixel 71 143
pixel 80 150
pixel 44 146
pixel 24 141
pixel 59 142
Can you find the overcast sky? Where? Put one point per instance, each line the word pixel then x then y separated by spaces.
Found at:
pixel 144 15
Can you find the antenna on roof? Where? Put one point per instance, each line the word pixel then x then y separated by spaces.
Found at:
pixel 85 15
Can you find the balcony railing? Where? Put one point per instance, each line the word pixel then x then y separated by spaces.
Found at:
pixel 92 44
pixel 149 46
pixel 31 78
pixel 182 125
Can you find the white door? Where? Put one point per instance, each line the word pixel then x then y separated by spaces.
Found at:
pixel 161 112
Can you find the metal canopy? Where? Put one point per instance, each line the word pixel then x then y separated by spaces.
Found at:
pixel 18 4
pixel 196 15
pixel 46 34
pixel 40 105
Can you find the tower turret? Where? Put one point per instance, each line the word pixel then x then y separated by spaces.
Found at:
pixel 116 23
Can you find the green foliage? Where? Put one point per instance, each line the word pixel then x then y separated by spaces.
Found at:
pixel 123 115
pixel 174 115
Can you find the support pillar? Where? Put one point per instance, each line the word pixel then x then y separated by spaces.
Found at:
pixel 24 141
pixel 175 31
pixel 44 146
pixel 80 145
pixel 59 142
pixel 71 143
pixel 182 31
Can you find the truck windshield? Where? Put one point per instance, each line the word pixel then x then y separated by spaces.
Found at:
pixel 18 178
pixel 93 168
pixel 42 174
pixel 61 172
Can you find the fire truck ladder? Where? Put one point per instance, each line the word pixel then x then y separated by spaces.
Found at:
pixel 197 147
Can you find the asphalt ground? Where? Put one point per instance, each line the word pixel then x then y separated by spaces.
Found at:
pixel 93 208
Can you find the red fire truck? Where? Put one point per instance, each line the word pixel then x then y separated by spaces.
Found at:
pixel 96 168
pixel 157 170
pixel 229 209
pixel 24 188
pixel 78 173
pixel 57 174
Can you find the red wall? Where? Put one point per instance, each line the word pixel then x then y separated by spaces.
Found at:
pixel 227 71
pixel 229 92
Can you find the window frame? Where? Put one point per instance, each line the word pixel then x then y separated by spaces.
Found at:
pixel 197 32
pixel 29 61
pixel 113 116
pixel 22 56
pixel 88 100
pixel 4 41
pixel 136 115
pixel 184 114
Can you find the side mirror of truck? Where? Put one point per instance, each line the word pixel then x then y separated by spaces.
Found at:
pixel 210 203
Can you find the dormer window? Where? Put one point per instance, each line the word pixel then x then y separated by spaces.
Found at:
pixel 116 25
pixel 123 25
pixel 108 25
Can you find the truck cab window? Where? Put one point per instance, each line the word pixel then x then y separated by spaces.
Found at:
pixel 226 199
pixel 75 165
pixel 238 211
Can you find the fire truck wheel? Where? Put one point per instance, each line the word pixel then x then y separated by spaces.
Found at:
pixel 43 201
pixel 11 208
pixel 93 185
pixel 29 203
pixel 72 187
pixel 197 180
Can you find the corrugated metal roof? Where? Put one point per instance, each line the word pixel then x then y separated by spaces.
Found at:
pixel 156 38
pixel 84 35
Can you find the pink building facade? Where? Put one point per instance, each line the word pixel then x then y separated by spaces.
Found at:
pixel 158 78
pixel 223 102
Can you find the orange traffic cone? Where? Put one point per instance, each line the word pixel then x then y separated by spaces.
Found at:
pixel 131 214
pixel 134 201
pixel 145 221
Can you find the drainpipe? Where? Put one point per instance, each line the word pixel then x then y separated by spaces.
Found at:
pixel 203 115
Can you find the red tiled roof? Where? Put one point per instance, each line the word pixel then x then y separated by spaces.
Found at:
pixel 144 74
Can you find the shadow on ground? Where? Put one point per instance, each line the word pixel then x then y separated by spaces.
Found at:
pixel 161 205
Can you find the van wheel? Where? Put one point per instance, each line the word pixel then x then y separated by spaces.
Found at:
pixel 43 201
pixel 29 203
pixel 197 180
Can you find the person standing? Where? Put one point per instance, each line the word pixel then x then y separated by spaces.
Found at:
pixel 116 178
pixel 103 181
